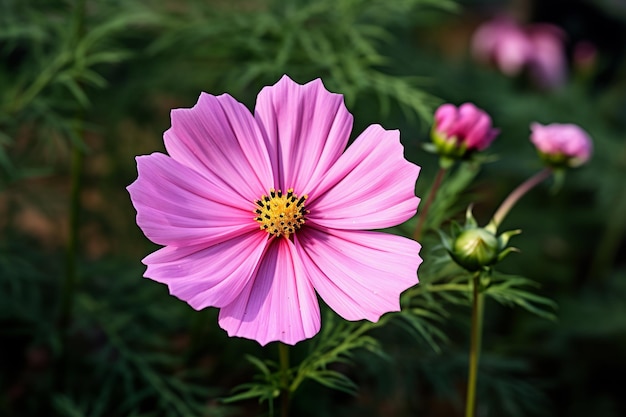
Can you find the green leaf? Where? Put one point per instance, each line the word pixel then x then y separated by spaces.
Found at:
pixel 512 290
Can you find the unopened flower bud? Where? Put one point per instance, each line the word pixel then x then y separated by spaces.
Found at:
pixel 561 145
pixel 458 132
pixel 475 248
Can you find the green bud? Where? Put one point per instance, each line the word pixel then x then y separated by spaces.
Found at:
pixel 476 248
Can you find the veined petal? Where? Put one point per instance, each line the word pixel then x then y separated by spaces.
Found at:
pixel 306 127
pixel 177 206
pixel 218 136
pixel 359 274
pixel 478 134
pixel 278 304
pixel 371 186
pixel 208 276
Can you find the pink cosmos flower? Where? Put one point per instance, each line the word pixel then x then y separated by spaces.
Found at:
pixel 504 43
pixel 561 144
pixel 258 213
pixel 460 131
pixel 513 48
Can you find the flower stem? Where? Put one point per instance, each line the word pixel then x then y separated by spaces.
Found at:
pixel 70 280
pixel 522 189
pixel 283 355
pixel 429 200
pixel 475 338
pixel 69 284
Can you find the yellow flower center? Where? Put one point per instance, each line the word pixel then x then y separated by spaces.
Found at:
pixel 281 214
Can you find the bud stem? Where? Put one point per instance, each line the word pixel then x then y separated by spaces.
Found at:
pixel 429 200
pixel 475 339
pixel 512 199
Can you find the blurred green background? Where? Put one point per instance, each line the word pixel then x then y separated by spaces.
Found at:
pixel 87 85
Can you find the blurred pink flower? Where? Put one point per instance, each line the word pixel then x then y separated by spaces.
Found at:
pixel 513 48
pixel 504 43
pixel 259 212
pixel 460 131
pixel 547 64
pixel 561 144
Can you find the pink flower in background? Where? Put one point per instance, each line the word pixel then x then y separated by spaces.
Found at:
pixel 513 48
pixel 547 64
pixel 460 131
pixel 259 212
pixel 504 43
pixel 561 144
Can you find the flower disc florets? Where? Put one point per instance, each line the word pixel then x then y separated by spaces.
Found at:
pixel 279 214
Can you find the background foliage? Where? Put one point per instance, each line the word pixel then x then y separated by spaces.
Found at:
pixel 87 85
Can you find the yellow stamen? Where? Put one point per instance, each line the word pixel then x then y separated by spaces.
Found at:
pixel 280 214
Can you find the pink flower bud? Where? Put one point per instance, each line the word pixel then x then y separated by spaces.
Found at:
pixel 460 131
pixel 561 144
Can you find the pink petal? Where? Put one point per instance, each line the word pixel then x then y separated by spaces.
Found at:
pixel 177 206
pixel 445 117
pixel 218 136
pixel 467 117
pixel 485 39
pixel 360 275
pixel 371 186
pixel 512 52
pixel 307 128
pixel 278 304
pixel 212 276
pixel 478 134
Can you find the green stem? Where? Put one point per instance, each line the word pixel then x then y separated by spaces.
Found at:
pixel 283 355
pixel 518 193
pixel 475 339
pixel 446 287
pixel 69 284
pixel 429 200
pixel 70 280
pixel 67 296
